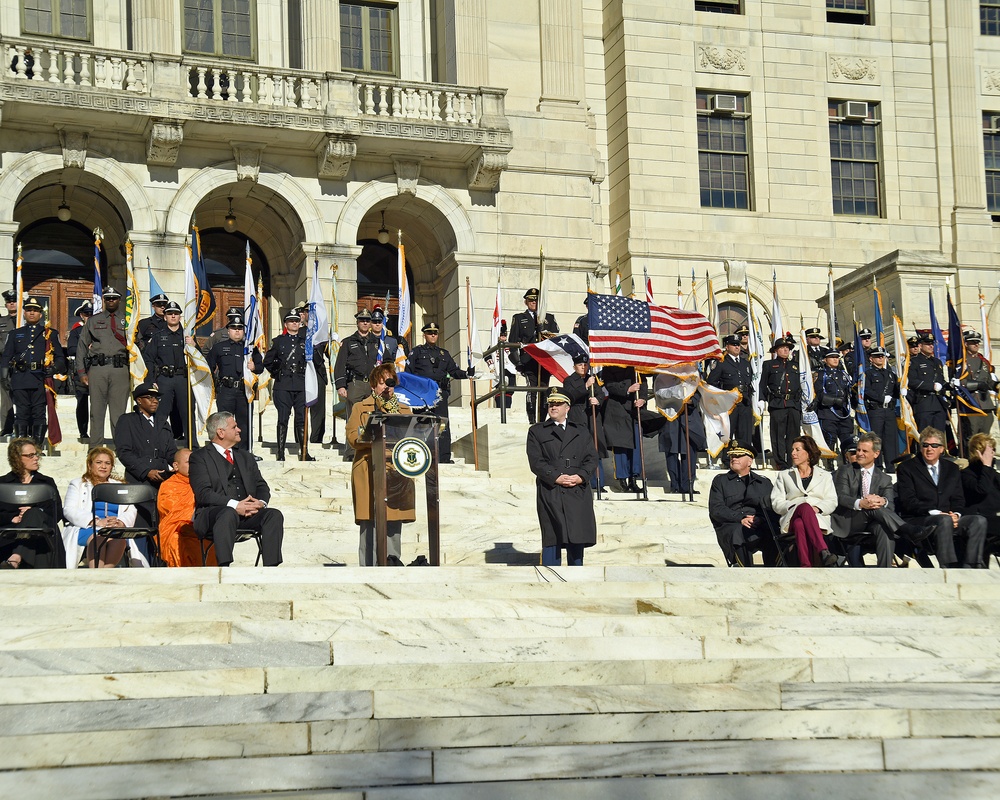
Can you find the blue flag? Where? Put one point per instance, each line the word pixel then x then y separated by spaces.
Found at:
pixel 205 298
pixel 860 368
pixel 965 402
pixel 940 348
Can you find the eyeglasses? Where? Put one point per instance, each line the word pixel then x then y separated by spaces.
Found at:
pixel 931 445
pixel 31 455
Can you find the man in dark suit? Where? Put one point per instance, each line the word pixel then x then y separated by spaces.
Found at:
pixel 931 496
pixel 230 493
pixel 865 518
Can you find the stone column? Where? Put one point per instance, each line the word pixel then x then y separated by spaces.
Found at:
pixel 167 255
pixel 561 32
pixel 320 36
pixel 156 26
pixel 470 23
pixel 8 230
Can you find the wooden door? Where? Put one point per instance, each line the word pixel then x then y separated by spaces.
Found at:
pixel 60 298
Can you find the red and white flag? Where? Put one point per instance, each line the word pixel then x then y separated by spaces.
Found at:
pixel 632 333
pixel 556 354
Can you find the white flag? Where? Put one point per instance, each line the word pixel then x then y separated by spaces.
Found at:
pixel 317 333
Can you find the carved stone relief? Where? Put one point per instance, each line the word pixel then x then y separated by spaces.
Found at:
pixel 164 142
pixel 852 69
pixel 74 148
pixel 711 58
pixel 334 157
pixel 407 175
pixel 485 168
pixel 247 156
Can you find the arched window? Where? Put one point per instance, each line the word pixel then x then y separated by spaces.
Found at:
pixel 731 317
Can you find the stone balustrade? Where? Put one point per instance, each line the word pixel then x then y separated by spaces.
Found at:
pixel 429 102
pixel 76 65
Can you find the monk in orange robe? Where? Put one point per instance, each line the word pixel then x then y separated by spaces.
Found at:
pixel 179 544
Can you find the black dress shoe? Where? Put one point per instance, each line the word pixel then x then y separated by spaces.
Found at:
pixel 633 486
pixel 827 558
pixel 256 457
pixel 623 485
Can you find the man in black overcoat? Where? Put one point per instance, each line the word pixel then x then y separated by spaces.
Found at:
pixel 739 506
pixel 230 493
pixel 561 454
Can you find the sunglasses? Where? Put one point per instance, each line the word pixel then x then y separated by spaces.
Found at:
pixel 931 445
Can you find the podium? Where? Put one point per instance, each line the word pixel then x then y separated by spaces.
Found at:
pixel 409 443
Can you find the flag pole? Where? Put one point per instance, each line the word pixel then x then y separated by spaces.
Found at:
pixel 687 453
pixel 333 351
pixel 642 456
pixel 472 381
pixel 593 420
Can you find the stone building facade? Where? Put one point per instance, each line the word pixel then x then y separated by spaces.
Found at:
pixel 729 140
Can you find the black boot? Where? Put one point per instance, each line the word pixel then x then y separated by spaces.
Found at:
pixel 282 437
pixel 39 434
pixel 298 444
pixel 20 431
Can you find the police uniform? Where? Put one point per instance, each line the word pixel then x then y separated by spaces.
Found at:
pixel 881 395
pixel 925 390
pixel 30 353
pixel 81 392
pixel 815 351
pixel 222 334
pixel 286 361
pixel 355 362
pixel 781 388
pixel 7 324
pixel 149 325
pixel 101 356
pixel 735 373
pixel 167 364
pixel 833 404
pixel 226 361
pixel 436 363
pixel 979 382
pixel 525 329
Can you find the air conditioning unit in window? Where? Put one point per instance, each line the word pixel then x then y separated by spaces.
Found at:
pixel 854 109
pixel 995 123
pixel 723 103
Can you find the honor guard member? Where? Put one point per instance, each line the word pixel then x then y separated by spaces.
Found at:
pixel 981 382
pixel 847 362
pixel 317 411
pixel 84 312
pixel 743 332
pixel 814 349
pixel 913 346
pixel 865 335
pixel 154 322
pixel 102 365
pixel 7 323
pixel 31 352
pixel 430 361
pixel 781 389
pixel 386 349
pixel 925 387
pixel 226 361
pixel 286 361
pixel 582 325
pixel 166 361
pixel 355 362
pixel 526 329
pixel 734 372
pixel 833 402
pixel 881 394
pixel 222 334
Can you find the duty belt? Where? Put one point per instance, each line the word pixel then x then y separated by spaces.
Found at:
pixel 28 366
pixel 102 360
pixel 883 404
pixel 171 372
pixel 230 383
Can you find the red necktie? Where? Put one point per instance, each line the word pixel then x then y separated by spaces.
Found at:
pixel 229 456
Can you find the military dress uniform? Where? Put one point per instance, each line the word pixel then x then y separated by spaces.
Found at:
pixel 816 352
pixel 286 361
pixel 980 383
pixel 736 373
pixel 925 391
pixel 833 405
pixel 781 388
pixel 167 362
pixel 525 329
pixel 101 356
pixel 436 363
pixel 147 327
pixel 881 396
pixel 226 361
pixel 7 324
pixel 30 353
pixel 355 362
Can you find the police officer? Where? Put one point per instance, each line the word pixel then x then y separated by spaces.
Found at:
pixel 734 372
pixel 814 349
pixel 102 365
pixel 387 347
pixel 7 324
pixel 436 363
pixel 847 357
pixel 582 325
pixel 833 402
pixel 30 353
pixel 913 346
pixel 525 329
pixel 355 362
pixel 881 395
pixel 84 312
pixel 925 386
pixel 743 332
pixel 286 361
pixel 226 361
pixel 317 411
pixel 981 382
pixel 781 389
pixel 149 325
pixel 222 334
pixel 166 361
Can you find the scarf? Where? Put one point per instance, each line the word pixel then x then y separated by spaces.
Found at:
pixel 388 405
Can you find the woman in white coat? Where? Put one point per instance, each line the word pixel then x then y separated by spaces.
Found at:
pixel 79 512
pixel 805 497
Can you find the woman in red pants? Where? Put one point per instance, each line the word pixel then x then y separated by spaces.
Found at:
pixel 804 496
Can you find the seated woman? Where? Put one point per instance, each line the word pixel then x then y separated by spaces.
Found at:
pixel 79 534
pixel 805 497
pixel 399 490
pixel 981 484
pixel 23 456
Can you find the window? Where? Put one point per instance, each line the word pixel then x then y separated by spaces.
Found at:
pixel 989 17
pixel 723 151
pixel 732 317
pixel 991 148
pixel 219 27
pixel 719 6
pixel 855 160
pixel 853 12
pixel 368 38
pixel 64 18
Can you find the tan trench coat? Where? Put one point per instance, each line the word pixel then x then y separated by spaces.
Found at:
pixel 400 491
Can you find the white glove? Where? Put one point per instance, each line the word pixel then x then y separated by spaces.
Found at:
pixel 888 400
pixel 993 375
pixel 902 391
pixel 956 382
pixel 938 387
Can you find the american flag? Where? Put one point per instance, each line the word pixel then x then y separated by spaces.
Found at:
pixel 556 354
pixel 632 333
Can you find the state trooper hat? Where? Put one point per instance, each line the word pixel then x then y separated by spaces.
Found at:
pixel 972 337
pixel 173 307
pixel 531 294
pixel 783 341
pixel 110 291
pixel 865 333
pixel 32 303
pixel 737 449
pixel 364 314
pixel 731 339
pixel 148 389
pixel 86 307
pixel 235 321
pixel 10 296
pixel 378 315
pixel 814 332
pixel 430 327
pixel 159 299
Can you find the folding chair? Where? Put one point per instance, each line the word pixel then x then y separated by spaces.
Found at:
pixel 242 535
pixel 126 494
pixel 28 494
